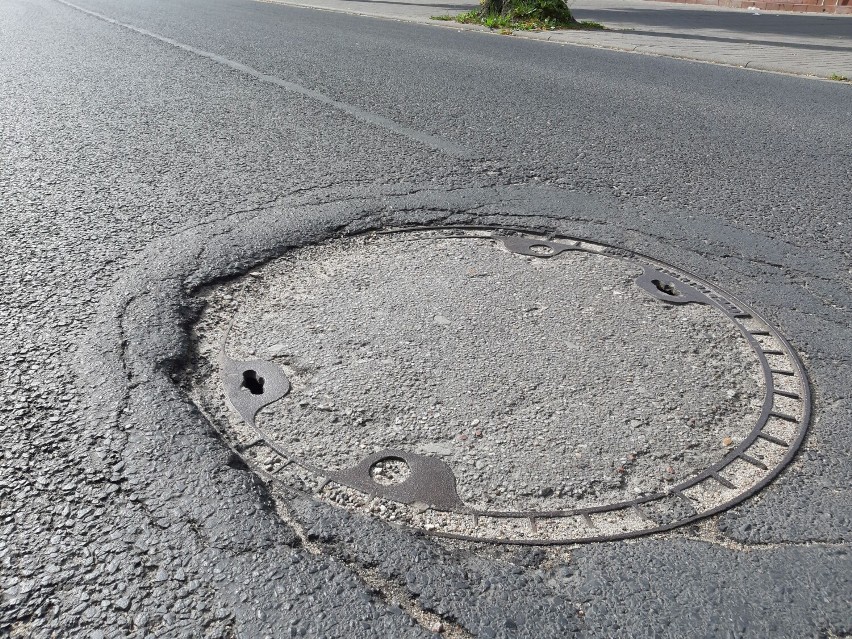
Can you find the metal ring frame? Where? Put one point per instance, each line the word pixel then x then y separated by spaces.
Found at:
pixel 691 289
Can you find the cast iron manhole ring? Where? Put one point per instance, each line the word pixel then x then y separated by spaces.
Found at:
pixel 421 490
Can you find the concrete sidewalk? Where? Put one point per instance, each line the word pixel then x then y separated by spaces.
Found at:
pixel 812 45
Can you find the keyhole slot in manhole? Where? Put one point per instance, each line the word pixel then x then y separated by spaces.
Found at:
pixel 252 382
pixel 390 470
pixel 666 287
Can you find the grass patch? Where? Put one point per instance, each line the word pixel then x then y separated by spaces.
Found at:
pixel 536 16
pixel 839 78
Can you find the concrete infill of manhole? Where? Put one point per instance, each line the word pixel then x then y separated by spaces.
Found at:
pixel 497 385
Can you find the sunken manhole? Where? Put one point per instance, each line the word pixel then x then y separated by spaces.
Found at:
pixel 496 385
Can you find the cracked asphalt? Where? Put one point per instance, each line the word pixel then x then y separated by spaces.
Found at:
pixel 155 148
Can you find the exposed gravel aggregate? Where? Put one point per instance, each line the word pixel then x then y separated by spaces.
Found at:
pixel 544 384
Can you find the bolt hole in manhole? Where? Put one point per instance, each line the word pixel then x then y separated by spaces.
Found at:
pixel 390 470
pixel 665 287
pixel 494 385
pixel 541 249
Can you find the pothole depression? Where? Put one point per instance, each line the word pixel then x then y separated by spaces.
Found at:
pixel 498 385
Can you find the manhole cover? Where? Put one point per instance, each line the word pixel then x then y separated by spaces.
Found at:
pixel 495 385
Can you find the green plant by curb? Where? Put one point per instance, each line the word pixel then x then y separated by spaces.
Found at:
pixel 839 78
pixel 522 15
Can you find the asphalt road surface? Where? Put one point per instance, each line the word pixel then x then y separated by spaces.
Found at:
pixel 152 148
pixel 683 18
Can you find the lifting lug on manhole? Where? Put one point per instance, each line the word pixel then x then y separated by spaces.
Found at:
pixel 252 384
pixel 431 481
pixel 669 289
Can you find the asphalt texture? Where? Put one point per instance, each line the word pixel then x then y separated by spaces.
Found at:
pixel 814 45
pixel 158 148
pixel 682 19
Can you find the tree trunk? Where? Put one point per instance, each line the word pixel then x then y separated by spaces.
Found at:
pixel 540 9
pixel 496 7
